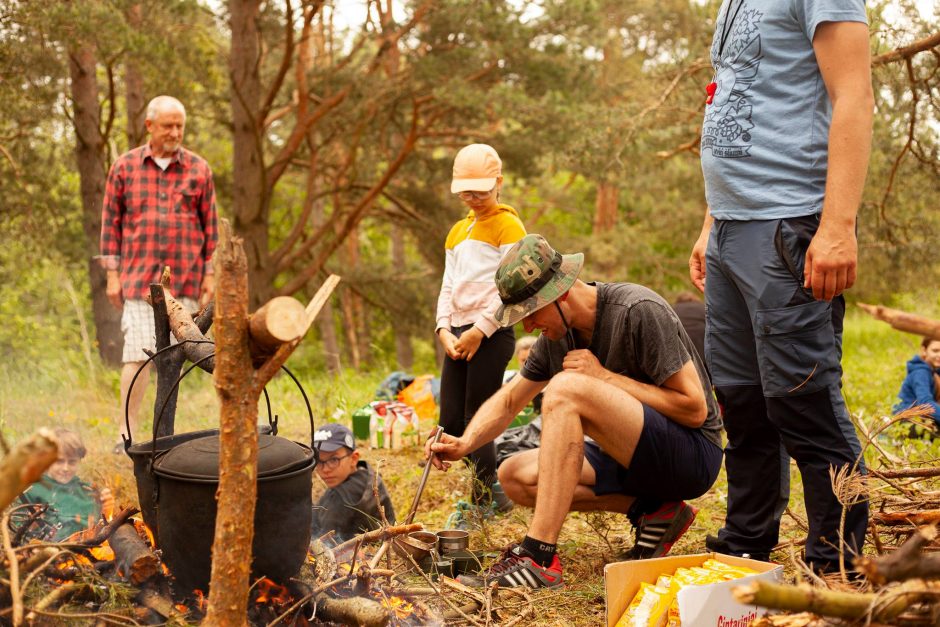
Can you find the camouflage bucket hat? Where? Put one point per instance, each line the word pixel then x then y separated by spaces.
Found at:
pixel 531 275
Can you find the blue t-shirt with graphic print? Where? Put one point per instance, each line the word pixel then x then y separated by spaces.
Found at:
pixel 765 135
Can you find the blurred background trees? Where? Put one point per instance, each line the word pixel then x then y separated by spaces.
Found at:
pixel 331 128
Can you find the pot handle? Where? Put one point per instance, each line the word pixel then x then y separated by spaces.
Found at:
pixel 128 441
pixel 273 423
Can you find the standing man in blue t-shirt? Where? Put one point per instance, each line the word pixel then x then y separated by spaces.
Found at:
pixel 785 146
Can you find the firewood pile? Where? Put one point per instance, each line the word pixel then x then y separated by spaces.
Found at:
pixel 897 581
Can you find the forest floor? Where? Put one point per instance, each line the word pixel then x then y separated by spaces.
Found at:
pixel 873 362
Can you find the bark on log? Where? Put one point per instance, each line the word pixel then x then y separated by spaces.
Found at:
pixel 903 473
pixel 156 601
pixel 239 386
pixel 903 321
pixel 924 517
pixel 352 611
pixel 883 606
pixel 281 319
pixel 25 464
pixel 238 447
pixel 134 560
pixel 907 562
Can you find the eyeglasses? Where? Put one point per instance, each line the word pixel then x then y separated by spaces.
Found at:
pixel 476 195
pixel 331 463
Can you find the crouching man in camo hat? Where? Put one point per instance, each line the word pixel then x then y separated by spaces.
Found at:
pixel 616 366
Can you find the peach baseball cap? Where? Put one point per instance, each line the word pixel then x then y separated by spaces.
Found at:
pixel 476 168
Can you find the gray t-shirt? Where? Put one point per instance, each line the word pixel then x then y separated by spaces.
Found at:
pixel 766 133
pixel 636 334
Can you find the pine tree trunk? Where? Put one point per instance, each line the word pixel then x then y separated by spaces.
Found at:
pixel 331 349
pixel 605 207
pixel 404 353
pixel 90 155
pixel 249 197
pixel 135 101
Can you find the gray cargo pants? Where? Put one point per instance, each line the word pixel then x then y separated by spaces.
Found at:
pixel 775 358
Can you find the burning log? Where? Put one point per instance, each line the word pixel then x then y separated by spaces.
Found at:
pixel 25 464
pixel 905 563
pixel 353 611
pixel 134 560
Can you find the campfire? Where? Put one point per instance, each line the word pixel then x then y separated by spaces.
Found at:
pixel 356 582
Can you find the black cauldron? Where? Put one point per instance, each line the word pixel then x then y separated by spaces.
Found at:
pixel 186 481
pixel 177 480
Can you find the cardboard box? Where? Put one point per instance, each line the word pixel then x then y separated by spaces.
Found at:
pixel 709 605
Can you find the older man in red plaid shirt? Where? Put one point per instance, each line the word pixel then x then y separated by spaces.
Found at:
pixel 159 210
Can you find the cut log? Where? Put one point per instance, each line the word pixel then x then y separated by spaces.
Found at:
pixel 25 464
pixel 134 560
pixel 281 319
pixel 903 321
pixel 156 601
pixel 883 606
pixel 353 611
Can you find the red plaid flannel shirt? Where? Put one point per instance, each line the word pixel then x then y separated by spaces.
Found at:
pixel 153 218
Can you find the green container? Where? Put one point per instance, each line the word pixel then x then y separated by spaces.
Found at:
pixel 360 422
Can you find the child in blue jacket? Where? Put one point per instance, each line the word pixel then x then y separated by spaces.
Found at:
pixel 920 386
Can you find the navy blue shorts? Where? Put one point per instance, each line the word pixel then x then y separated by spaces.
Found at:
pixel 671 462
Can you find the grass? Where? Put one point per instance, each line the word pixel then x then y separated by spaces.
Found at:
pixel 59 394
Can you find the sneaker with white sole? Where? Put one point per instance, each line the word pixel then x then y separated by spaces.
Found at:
pixel 516 568
pixel 658 531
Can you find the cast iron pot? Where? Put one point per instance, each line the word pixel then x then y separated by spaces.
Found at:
pixel 143 454
pixel 186 479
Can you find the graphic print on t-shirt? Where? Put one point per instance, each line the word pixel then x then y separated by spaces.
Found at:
pixel 727 128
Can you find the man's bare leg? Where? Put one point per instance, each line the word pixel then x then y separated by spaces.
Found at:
pixel 575 404
pixel 137 396
pixel 519 476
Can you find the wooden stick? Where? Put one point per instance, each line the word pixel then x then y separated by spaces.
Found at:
pixel 319 300
pixel 25 464
pixel 824 602
pixel 58 594
pixel 375 535
pixel 900 473
pixel 17 600
pixel 925 517
pixel 907 562
pixel 903 321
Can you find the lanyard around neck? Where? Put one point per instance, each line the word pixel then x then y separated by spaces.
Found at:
pixel 712 87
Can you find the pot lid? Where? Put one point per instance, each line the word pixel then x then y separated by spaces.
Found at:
pixel 199 459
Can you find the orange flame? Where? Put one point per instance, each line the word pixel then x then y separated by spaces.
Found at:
pixel 200 599
pixel 268 592
pixel 142 528
pixel 402 608
pixel 103 553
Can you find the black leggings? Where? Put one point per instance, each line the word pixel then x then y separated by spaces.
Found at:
pixel 465 385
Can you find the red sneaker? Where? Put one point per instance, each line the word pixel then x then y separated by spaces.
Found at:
pixel 517 568
pixel 657 532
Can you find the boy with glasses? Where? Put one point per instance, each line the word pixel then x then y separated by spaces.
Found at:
pixel 348 507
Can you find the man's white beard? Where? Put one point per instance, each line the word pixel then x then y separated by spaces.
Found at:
pixel 169 149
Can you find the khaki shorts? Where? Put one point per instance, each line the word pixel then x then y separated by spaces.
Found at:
pixel 139 333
